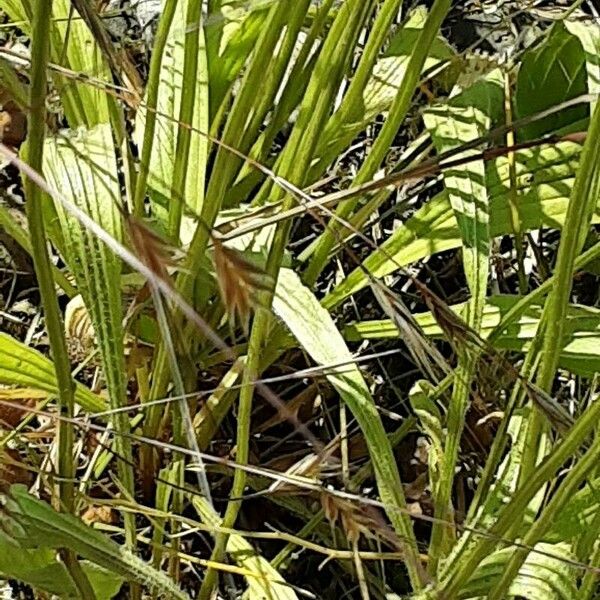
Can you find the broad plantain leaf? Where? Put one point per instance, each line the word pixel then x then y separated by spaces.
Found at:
pixel 551 73
pixel 167 127
pixel 83 166
pixel 546 574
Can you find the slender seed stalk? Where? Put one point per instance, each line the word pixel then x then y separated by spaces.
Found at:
pixel 186 115
pixel 152 89
pixel 40 50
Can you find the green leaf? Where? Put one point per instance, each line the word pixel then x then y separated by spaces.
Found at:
pixel 579 354
pixel 160 178
pixel 84 104
pixel 314 329
pixel 23 366
pixel 231 34
pixel 83 165
pixel 42 570
pixel 545 177
pixel 545 575
pixel 588 34
pixel 31 523
pixel 263 580
pixel 467 116
pixel 578 516
pixel 549 74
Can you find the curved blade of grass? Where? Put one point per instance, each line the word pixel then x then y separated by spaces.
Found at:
pixel 317 103
pixel 265 581
pixel 313 327
pixel 547 576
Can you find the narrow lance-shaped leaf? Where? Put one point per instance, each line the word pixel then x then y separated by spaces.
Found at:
pixel 32 523
pixel 83 165
pixel 466 117
pixel 25 366
pixel 314 329
pixel 544 180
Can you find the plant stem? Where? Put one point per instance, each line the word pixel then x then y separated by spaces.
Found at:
pixel 259 329
pixel 152 87
pixel 40 51
pixel 186 116
pixel 398 112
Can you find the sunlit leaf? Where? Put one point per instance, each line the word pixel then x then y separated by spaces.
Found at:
pixel 24 366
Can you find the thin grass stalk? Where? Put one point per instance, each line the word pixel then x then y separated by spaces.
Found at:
pixel 276 73
pixel 381 146
pixel 585 193
pixel 186 115
pixel 328 75
pixel 353 98
pixel 513 196
pixel 40 51
pixel 249 177
pixel 244 414
pixel 152 88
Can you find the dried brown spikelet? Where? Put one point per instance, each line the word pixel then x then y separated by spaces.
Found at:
pixel 239 281
pixel 150 247
pixel 357 521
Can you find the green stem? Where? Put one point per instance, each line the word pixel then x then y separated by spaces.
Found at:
pixel 398 112
pixel 40 51
pixel 251 373
pixel 186 115
pixel 152 87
